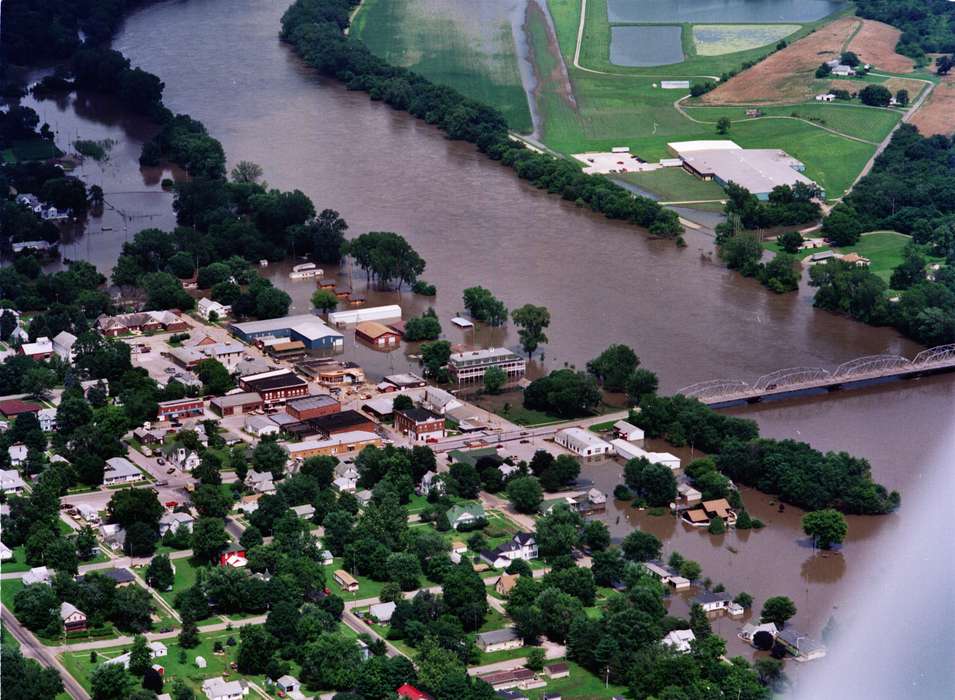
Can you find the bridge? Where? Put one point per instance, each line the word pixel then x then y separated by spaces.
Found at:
pixel 797 381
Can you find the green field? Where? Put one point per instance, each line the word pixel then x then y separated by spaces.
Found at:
pixel 674 185
pixel 454 44
pixel 720 39
pixel 884 248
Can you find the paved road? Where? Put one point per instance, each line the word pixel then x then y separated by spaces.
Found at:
pixel 118 563
pixel 33 648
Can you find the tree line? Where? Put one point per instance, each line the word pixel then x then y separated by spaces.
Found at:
pixel 927 26
pixel 314 28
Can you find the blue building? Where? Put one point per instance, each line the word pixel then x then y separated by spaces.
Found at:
pixel 309 329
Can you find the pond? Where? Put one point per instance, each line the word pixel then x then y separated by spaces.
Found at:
pixel 646 46
pixel 750 11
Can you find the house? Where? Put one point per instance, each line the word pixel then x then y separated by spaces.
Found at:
pixel 121 577
pixel 38 574
pixel 47 418
pixel 555 671
pixel 686 493
pixel 11 408
pixel 597 499
pixel 800 646
pixel 113 535
pixel 468 367
pixel 250 504
pixel 409 692
pixel 326 557
pixel 150 436
pixel 260 426
pixel 218 689
pixel 171 522
pixel 183 458
pixel 505 583
pixel 346 581
pixel 41 349
pixel 515 678
pixel 499 640
pixel 510 695
pixel 761 636
pixel 291 686
pixel 180 407
pixel 239 403
pixel 206 307
pixel 377 334
pixel 679 640
pixel 420 424
pixel 234 556
pixel 10 479
pixel 88 513
pixel 345 484
pixel 305 512
pixel 6 554
pixel 63 343
pixel 825 97
pixel 843 71
pixel 521 546
pixel 465 514
pixel 429 482
pixel 141 322
pixel 666 575
pixel 719 508
pixel 856 259
pixel 18 454
pixel 439 401
pixel 120 470
pixel 582 442
pixel 382 612
pixel 156 650
pixel 364 497
pixel 627 431
pixel 313 407
pixel 253 479
pixel 713 602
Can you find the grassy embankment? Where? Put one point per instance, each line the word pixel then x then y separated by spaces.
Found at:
pixel 451 45
pixel 619 106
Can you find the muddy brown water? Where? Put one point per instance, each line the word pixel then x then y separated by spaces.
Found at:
pixel 475 223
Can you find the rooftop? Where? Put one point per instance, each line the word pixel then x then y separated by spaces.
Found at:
pixel 310 402
pixel 238 399
pixel 373 329
pixel 757 169
pixel 485 356
pixel 418 415
pixel 306 325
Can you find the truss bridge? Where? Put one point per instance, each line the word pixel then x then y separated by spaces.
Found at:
pixel 796 381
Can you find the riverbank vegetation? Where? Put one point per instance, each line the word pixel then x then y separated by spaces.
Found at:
pixel 314 29
pixel 793 471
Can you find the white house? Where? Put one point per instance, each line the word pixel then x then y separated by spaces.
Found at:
pixel 208 306
pixel 39 574
pixel 10 479
pixel 345 484
pixel 260 426
pixel 428 483
pixel 627 431
pixel 88 513
pixel 6 554
pixel 18 454
pixel 382 612
pixel 218 689
pixel 582 442
pixel 499 640
pixel 521 546
pixel 440 401
pixel 171 522
pixel 305 512
pixel 47 418
pixel 156 650
pixel 63 343
pixel 679 640
pixel 120 470
pixel 713 602
pixel 825 97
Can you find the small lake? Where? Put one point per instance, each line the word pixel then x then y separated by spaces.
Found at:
pixel 749 11
pixel 646 45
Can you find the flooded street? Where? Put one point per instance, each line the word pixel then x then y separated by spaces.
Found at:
pixel 688 318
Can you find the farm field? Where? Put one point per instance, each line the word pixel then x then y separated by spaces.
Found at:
pixel 935 116
pixel 719 39
pixel 469 46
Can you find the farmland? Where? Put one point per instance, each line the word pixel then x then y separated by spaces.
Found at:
pixel 719 39
pixel 468 46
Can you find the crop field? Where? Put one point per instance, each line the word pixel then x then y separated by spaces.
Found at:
pixel 875 43
pixel 469 46
pixel 719 39
pixel 935 116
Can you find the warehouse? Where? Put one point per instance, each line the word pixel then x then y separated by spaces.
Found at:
pixel 313 407
pixel 759 170
pixel 582 442
pixel 377 334
pixel 374 313
pixel 349 441
pixel 233 404
pixel 309 329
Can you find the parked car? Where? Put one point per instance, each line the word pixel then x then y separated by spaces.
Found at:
pixel 160 461
pixel 171 470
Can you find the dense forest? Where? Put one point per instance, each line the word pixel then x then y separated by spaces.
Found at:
pixel 928 26
pixel 314 29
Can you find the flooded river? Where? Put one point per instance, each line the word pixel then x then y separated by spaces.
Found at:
pixel 474 222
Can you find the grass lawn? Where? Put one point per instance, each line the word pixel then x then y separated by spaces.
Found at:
pixel 185 577
pixel 505 655
pixel 399 644
pixel 9 589
pixel 469 46
pixel 526 416
pixel 367 588
pixel 581 683
pixel 18 563
pixel 495 620
pixel 674 185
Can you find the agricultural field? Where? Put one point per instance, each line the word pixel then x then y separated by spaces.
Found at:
pixel 469 46
pixel 720 39
pixel 673 185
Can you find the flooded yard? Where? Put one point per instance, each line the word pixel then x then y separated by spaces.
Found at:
pixel 758 11
pixel 646 46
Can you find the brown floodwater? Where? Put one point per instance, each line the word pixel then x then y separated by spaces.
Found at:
pixel 474 222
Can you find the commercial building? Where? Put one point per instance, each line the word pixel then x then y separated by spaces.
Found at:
pixel 309 329
pixel 466 367
pixel 141 322
pixel 351 441
pixel 440 401
pixel 260 426
pixel 313 407
pixel 420 424
pixel 236 404
pixel 120 470
pixel 627 431
pixel 276 386
pixel 373 313
pixel 377 334
pixel 284 350
pixel 180 407
pixel 341 422
pixel 759 170
pixel 582 442
pixel 333 373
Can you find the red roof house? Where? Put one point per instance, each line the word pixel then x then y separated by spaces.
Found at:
pixel 412 693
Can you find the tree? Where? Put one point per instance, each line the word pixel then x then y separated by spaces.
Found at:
pixel 690 569
pixel 127 506
pixel 209 539
pixel 902 97
pixel 826 527
pixel 562 473
pixel 781 273
pixel 110 682
pixel 435 355
pixel 38 608
pixel 483 306
pixel 640 546
pixel 535 659
pixel 25 679
pixel 403 568
pixel 465 596
pixel 723 125
pixel 595 535
pixel 558 531
pixel 944 65
pixel 563 392
pixel 424 327
pixel 790 241
pixel 494 379
pixel 214 376
pixel 614 366
pixel 246 172
pixel 654 482
pixel 269 456
pixel 744 599
pixel 875 95
pixel 608 566
pixel 189 634
pixel 255 649
pixel 641 383
pixel 324 300
pixel 777 609
pixel 141 539
pixel 386 257
pixel 716 526
pixel 699 623
pixel 159 573
pixel 464 480
pixel 132 609
pixel 331 661
pixel 742 253
pixel 525 494
pixel 532 321
pixel 328 236
pixel 139 657
pixel 402 402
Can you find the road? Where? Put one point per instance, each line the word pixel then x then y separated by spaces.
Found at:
pixel 118 563
pixel 34 649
